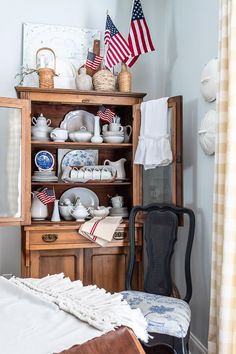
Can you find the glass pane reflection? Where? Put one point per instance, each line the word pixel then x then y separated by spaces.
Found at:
pixel 10 170
pixel 157 185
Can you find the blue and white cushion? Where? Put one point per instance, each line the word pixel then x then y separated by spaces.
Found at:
pixel 165 315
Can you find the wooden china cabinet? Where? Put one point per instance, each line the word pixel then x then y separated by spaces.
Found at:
pixel 52 247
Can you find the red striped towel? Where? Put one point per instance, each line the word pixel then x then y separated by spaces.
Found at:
pixel 100 230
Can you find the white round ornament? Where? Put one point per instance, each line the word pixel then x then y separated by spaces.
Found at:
pixel 207 132
pixel 209 80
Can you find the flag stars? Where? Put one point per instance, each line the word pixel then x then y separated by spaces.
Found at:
pixel 137 11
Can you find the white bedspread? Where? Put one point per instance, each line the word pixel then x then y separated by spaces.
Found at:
pixel 30 325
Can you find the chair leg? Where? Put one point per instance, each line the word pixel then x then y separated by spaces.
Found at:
pixel 184 347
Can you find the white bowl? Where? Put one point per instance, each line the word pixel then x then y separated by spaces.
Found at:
pixel 116 139
pixel 80 136
pixel 100 212
pixel 65 212
pixel 108 133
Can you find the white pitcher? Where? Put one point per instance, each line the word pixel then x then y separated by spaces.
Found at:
pixel 119 166
pixel 39 211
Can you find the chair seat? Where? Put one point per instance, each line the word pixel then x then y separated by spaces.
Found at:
pixel 165 315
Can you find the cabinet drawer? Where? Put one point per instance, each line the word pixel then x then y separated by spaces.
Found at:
pixel 43 239
pixel 55 237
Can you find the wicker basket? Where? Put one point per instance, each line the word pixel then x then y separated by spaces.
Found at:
pixel 104 80
pixel 46 74
pixel 124 79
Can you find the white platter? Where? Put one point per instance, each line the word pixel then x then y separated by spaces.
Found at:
pixel 87 197
pixel 74 120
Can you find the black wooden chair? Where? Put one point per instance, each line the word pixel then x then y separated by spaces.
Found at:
pixel 168 317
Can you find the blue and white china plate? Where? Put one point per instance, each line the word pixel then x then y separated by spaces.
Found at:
pixel 74 120
pixel 87 197
pixel 44 160
pixel 78 158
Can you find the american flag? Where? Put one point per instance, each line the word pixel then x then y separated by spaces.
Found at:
pixel 139 38
pixel 93 61
pixel 46 196
pixel 105 114
pixel 117 47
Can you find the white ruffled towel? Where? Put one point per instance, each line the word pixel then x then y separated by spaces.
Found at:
pixel 154 146
pixel 100 230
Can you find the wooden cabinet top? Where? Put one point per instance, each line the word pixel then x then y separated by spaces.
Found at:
pixel 67 95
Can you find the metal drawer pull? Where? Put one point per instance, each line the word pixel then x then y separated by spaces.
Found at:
pixel 49 237
pixel 119 235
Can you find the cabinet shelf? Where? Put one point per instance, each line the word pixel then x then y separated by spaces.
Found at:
pixel 67 225
pixel 97 184
pixel 73 145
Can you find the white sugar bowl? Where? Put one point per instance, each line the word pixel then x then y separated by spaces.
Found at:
pixel 79 212
pixel 41 121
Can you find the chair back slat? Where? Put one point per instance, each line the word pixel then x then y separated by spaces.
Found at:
pixel 160 234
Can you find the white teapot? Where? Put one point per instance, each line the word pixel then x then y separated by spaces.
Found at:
pixel 79 212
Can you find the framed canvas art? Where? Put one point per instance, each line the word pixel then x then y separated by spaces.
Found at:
pixel 70 45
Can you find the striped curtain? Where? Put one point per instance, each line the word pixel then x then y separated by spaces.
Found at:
pixel 222 329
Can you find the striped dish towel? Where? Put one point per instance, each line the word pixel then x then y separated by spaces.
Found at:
pixel 100 230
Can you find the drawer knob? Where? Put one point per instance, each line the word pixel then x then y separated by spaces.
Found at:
pixel 49 237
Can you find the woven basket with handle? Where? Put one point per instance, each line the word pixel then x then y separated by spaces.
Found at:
pixel 46 74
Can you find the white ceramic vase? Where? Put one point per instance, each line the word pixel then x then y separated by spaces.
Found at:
pixel 97 137
pixel 55 213
pixel 84 81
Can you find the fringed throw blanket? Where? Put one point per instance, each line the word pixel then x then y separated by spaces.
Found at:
pixel 100 309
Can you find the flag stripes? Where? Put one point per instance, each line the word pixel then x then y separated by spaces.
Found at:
pixel 46 195
pixel 93 61
pixel 105 114
pixel 139 38
pixel 117 47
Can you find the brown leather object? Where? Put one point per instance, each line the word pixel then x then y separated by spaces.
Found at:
pixel 120 341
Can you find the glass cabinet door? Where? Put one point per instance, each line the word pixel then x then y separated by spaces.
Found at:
pixel 14 161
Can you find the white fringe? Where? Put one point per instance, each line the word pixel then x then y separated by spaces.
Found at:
pixel 100 309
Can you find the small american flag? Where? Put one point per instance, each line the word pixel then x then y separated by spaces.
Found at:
pixel 93 61
pixel 139 38
pixel 117 47
pixel 105 114
pixel 46 196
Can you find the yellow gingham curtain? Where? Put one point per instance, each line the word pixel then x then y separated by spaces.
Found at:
pixel 222 329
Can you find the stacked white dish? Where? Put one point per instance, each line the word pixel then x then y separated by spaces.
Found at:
pixel 41 132
pixel 44 176
pixel 122 211
pixel 113 137
pixel 40 129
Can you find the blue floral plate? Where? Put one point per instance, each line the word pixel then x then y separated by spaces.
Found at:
pixel 44 160
pixel 78 158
